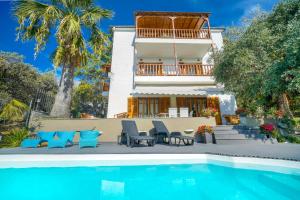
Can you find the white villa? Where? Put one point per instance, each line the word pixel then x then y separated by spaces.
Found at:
pixel 161 67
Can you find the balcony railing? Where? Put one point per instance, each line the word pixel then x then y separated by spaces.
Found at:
pixel 157 69
pixel 169 33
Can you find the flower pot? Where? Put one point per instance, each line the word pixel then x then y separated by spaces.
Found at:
pixel 206 138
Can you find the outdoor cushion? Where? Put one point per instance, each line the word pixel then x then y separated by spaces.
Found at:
pixel 64 137
pixel 45 136
pixel 30 143
pixel 42 136
pixel 89 138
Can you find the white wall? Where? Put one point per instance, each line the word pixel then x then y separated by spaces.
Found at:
pixel 227 105
pixel 122 66
pixel 217 38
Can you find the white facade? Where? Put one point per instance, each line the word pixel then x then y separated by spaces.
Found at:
pixel 129 50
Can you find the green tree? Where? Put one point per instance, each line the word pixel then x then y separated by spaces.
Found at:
pixel 19 80
pixel 71 20
pixel 260 62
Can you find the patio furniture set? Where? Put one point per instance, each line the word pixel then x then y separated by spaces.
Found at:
pixel 129 136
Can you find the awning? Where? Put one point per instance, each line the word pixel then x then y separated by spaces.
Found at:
pixel 188 91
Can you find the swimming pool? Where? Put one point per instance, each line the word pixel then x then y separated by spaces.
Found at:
pixel 203 180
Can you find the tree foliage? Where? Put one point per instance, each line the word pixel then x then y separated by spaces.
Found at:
pixel 13 111
pixel 261 62
pixel 75 26
pixel 20 81
pixel 88 95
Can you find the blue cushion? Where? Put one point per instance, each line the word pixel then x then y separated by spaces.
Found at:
pixel 57 143
pixel 46 135
pixel 66 135
pixel 30 143
pixel 89 134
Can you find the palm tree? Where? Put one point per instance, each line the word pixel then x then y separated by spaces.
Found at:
pixel 72 21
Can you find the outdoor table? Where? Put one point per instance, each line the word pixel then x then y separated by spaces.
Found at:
pixel 188 131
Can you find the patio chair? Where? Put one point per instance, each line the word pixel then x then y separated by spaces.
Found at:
pixel 89 138
pixel 184 112
pixel 129 129
pixel 64 138
pixel 162 131
pixel 34 141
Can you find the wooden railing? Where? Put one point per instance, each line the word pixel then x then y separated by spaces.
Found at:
pixel 169 33
pixel 157 69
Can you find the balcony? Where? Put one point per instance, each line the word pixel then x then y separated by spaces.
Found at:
pixel 159 69
pixel 170 33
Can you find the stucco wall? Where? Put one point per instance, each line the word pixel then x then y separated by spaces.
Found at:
pixel 111 128
pixel 227 105
pixel 121 82
pixel 123 66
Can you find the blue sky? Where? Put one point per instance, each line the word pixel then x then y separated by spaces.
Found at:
pixel 224 13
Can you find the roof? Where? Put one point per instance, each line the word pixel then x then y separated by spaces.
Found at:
pixel 167 13
pixel 162 20
pixel 177 90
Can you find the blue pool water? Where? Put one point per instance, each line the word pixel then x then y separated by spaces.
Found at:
pixel 161 182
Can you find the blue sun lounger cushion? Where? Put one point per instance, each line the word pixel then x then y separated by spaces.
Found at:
pixel 64 138
pixel 89 138
pixel 42 136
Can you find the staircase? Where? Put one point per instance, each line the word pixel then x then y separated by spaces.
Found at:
pixel 228 134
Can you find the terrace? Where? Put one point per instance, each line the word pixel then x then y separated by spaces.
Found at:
pixel 272 151
pixel 177 25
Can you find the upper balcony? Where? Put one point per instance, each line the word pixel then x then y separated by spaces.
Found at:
pixel 187 34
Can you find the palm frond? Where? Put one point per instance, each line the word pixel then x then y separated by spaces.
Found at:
pixel 35 21
pixel 93 15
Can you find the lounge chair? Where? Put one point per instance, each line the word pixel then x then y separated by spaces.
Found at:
pixel 132 134
pixel 64 138
pixel 162 131
pixel 35 140
pixel 89 138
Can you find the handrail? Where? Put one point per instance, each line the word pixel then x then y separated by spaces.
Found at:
pixel 169 33
pixel 186 69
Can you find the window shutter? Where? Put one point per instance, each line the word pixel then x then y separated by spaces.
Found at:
pixel 132 107
pixel 164 104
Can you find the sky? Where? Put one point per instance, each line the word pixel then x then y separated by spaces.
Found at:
pixel 224 13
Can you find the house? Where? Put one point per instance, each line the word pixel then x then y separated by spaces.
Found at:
pixel 164 62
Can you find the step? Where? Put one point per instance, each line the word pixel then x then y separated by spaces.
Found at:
pixel 243 141
pixel 221 132
pixel 240 136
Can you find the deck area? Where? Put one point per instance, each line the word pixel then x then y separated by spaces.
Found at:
pixel 272 151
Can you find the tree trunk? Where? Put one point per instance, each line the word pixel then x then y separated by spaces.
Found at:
pixel 284 105
pixel 62 104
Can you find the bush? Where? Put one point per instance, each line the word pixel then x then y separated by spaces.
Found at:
pixel 14 137
pixel 293 139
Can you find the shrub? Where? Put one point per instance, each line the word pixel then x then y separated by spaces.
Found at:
pixel 204 128
pixel 14 137
pixel 13 111
pixel 293 139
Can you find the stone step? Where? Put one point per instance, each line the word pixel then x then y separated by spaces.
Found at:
pixel 239 136
pixel 249 141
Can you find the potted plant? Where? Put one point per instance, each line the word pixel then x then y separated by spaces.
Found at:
pixel 204 134
pixel 267 129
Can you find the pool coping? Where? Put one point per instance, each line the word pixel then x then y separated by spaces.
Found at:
pixel 92 160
